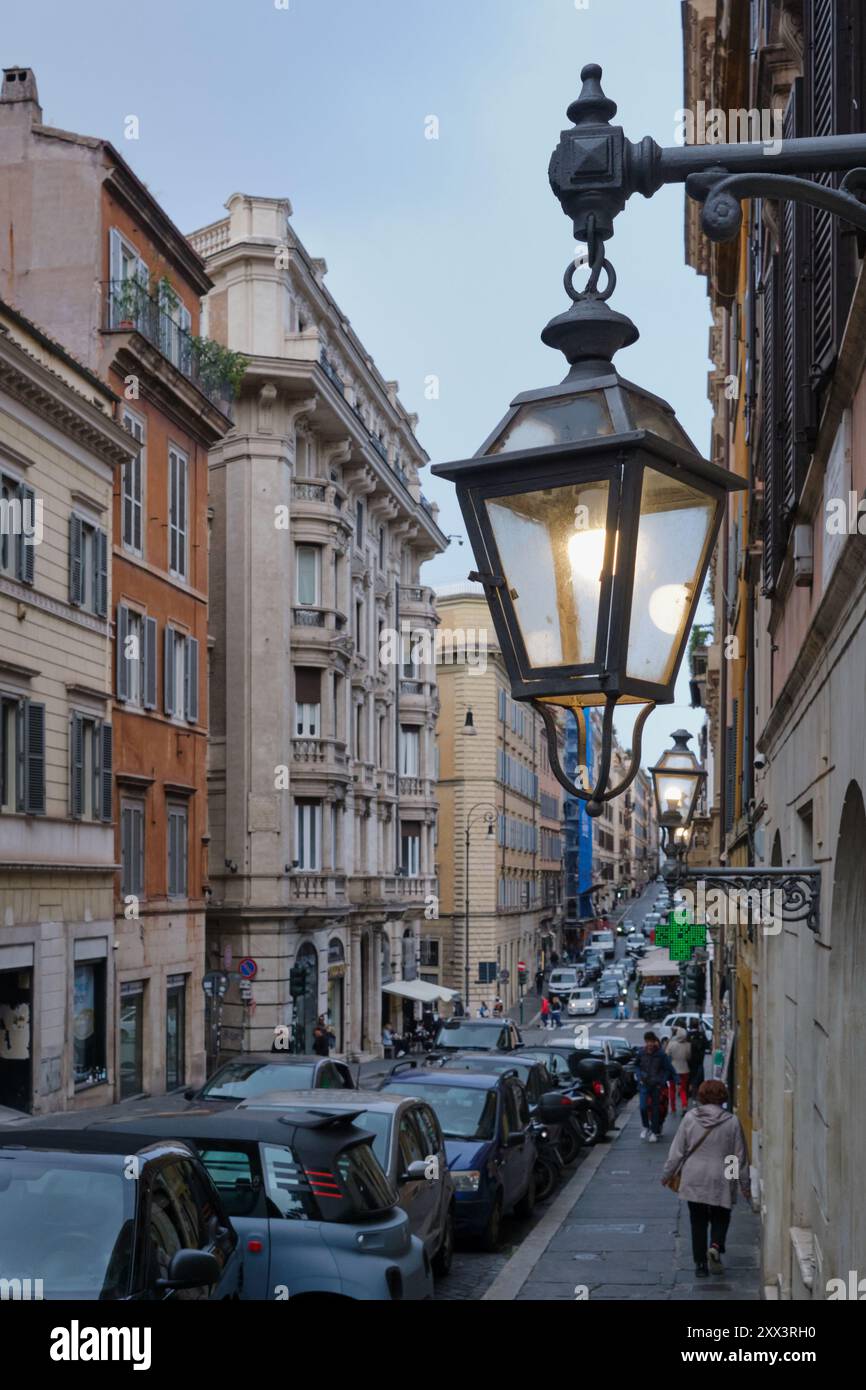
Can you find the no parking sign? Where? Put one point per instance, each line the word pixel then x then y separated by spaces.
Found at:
pixel 248 968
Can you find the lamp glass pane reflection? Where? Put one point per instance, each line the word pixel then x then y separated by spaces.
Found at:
pixel 555 541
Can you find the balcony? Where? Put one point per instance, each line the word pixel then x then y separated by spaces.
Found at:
pixel 320 754
pixel 419 788
pixel 130 309
pixel 318 891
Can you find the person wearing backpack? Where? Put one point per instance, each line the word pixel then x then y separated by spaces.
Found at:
pixel 707 1161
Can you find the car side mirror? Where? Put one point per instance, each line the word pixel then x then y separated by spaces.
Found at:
pixel 416 1172
pixel 515 1139
pixel 189 1093
pixel 191 1269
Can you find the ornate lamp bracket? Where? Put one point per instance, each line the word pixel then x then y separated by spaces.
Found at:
pixel 800 888
pixel 601 792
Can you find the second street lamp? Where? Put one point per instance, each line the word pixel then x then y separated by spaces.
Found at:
pixel 592 518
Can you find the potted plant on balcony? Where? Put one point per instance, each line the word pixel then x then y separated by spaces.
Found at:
pixel 126 298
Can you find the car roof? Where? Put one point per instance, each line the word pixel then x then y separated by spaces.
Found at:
pixel 264 1126
pixel 270 1057
pixel 92 1140
pixel 476 1022
pixel 320 1100
pixel 503 1062
pixel 442 1077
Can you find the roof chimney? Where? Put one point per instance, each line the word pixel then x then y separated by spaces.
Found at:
pixel 19 86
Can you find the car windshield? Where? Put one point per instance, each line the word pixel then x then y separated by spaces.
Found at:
pixel 68 1221
pixel 469 1034
pixel 583 994
pixel 463 1112
pixel 240 1080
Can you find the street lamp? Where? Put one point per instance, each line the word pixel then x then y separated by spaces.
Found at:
pixel 592 518
pixel 677 780
pixel 488 816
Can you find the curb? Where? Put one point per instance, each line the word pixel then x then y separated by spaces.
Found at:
pixel 510 1280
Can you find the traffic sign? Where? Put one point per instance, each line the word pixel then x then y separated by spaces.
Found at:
pixel 248 968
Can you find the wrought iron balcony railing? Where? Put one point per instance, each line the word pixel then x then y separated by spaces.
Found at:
pixel 129 307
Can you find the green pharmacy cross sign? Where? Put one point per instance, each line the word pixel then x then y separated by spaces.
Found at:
pixel 681 938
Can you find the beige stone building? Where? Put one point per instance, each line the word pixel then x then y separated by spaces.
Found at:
pixel 322 776
pixel 492 776
pixel 59 451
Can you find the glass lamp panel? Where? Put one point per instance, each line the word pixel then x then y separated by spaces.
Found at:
pixel 650 415
pixel 551 547
pixel 676 791
pixel 675 523
pixel 563 421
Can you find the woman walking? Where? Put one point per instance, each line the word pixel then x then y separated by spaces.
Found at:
pixel 707 1160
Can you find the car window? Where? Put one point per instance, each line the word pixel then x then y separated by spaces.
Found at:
pixel 511 1113
pixel 242 1080
pixel 429 1130
pixel 412 1150
pixel 345 1076
pixel 288 1189
pixel 236 1172
pixel 520 1104
pixel 168 1232
pixel 329 1078
pixel 363 1181
pixel 193 1202
pixel 534 1088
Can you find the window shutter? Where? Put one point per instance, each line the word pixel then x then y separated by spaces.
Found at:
pixel 168 670
pixel 76 766
pixel 149 657
pixel 105 748
pixel 138 848
pixel 100 551
pixel 26 547
pixel 191 679
pixel 34 758
pixel 770 450
pixel 127 875
pixel 121 661
pixel 793 333
pixel 75 540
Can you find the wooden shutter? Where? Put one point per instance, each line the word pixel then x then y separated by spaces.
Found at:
pixel 26 548
pixel 34 758
pixel 76 766
pixel 168 670
pixel 730 769
pixel 100 557
pixel 827 25
pixel 127 872
pixel 105 756
pixel 121 661
pixel 191 654
pixel 75 544
pixel 149 658
pixel 796 426
pixel 770 435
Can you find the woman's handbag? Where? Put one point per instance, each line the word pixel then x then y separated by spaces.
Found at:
pixel 673 1182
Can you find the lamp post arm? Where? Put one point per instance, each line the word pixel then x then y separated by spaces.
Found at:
pixel 601 792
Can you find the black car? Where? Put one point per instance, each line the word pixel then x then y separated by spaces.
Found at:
pixel 565 1061
pixel 654 1003
pixel 108 1217
pixel 609 991
pixel 542 1093
pixel 477 1035
pixel 593 965
pixel 253 1073
pixel 624 1056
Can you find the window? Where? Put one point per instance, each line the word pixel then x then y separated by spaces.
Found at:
pixel 136 658
pixel 131 1038
pixel 359 525
pixel 308 702
pixel 22 755
pixel 381 547
pixel 359 626
pixel 175 1032
pixel 129 283
pixel 308 835
pixel 132 486
pixel 308 572
pixel 90 755
pixel 17 529
pixel 132 848
pixel 88 566
pixel 410 751
pixel 430 947
pixel 178 469
pixel 88 1023
pixel 410 848
pixel 180 675
pixel 411 658
pixel 178 840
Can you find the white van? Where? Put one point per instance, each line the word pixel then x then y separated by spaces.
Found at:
pixel 603 941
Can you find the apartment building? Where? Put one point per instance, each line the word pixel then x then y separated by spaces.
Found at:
pixel 60 451
pixel 323 682
pixel 99 265
pixel 504 891
pixel 787 667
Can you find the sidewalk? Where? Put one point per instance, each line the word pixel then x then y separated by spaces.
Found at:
pixel 616 1233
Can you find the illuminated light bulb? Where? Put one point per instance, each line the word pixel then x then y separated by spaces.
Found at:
pixel 586 555
pixel 667 606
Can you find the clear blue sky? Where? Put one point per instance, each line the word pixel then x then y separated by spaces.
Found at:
pixel 447 255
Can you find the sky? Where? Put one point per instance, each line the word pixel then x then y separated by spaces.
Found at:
pixel 446 254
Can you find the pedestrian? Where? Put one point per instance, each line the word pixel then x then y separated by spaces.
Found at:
pixel 498 1007
pixel 483 1011
pixel 680 1052
pixel 556 1010
pixel 698 1170
pixel 539 980
pixel 545 1011
pixel 320 1040
pixel 699 1047
pixel 554 959
pixel 387 1040
pixel 654 1071
pixel 457 1008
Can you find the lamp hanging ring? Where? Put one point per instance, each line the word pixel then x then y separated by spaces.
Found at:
pixel 591 290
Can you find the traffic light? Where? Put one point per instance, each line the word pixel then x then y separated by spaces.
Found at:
pixel 521 973
pixel 297 981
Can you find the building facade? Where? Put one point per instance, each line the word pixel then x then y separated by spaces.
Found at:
pixel 322 661
pixel 99 265
pixel 504 892
pixel 60 449
pixel 789 399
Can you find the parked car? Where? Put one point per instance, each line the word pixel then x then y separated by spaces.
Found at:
pixel 477 1035
pixel 409 1146
pixel 254 1073
pixel 96 1216
pixel 635 943
pixel 488 1139
pixel 684 1020
pixel 654 1003
pixel 546 1104
pixel 563 980
pixel 581 1001
pixel 624 1054
pixel 308 1197
pixel 587 1070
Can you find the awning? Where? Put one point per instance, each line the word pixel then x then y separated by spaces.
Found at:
pixel 658 962
pixel 420 990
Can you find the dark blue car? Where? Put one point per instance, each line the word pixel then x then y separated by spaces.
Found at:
pixel 489 1144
